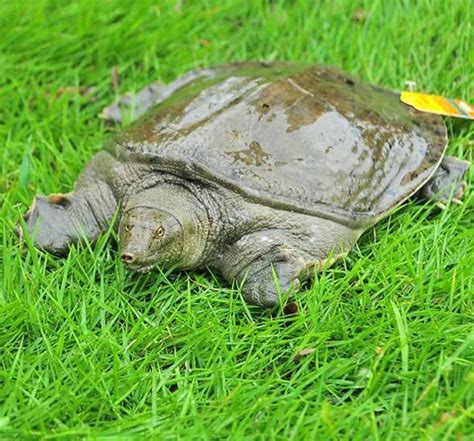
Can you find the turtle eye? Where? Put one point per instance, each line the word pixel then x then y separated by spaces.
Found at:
pixel 159 231
pixel 128 227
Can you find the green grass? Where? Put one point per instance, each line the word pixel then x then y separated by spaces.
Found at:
pixel 88 350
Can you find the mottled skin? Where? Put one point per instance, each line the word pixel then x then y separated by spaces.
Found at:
pixel 264 173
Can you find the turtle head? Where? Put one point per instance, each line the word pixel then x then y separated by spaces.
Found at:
pixel 163 226
pixel 149 236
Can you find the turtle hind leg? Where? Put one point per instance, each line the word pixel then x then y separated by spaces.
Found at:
pixel 132 105
pixel 57 221
pixel 264 265
pixel 447 180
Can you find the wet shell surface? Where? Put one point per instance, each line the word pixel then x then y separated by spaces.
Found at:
pixel 310 139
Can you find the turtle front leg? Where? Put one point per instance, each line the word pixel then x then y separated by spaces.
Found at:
pixel 57 221
pixel 264 281
pixel 270 263
pixel 264 265
pixel 447 179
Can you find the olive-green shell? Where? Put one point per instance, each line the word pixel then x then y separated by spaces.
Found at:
pixel 303 138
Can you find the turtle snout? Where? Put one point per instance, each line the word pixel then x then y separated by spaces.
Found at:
pixel 134 260
pixel 128 258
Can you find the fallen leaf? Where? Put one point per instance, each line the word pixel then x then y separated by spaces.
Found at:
pixel 359 15
pixel 290 309
pixel 364 373
pixel 446 416
pixel 303 353
pixel 75 90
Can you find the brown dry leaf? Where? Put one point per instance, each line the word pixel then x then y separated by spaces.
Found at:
pixel 290 309
pixel 204 42
pixel 75 90
pixel 303 353
pixel 446 417
pixel 31 103
pixel 359 15
pixel 115 78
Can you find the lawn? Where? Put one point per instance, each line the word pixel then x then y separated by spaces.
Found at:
pixel 90 350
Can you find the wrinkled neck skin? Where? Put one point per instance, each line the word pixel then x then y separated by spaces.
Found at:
pixel 182 202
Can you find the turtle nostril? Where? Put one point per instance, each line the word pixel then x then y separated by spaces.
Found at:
pixel 127 258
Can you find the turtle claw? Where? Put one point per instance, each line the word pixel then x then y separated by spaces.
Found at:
pixel 443 204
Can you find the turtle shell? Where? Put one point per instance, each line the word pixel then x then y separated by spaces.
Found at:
pixel 310 139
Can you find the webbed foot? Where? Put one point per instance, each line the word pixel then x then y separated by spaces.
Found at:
pixel 267 286
pixel 57 221
pixel 270 264
pixel 50 224
pixel 447 180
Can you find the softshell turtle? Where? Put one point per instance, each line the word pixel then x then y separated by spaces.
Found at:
pixel 263 172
